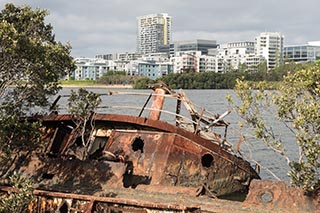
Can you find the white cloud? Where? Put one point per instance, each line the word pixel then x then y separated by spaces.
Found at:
pixel 99 26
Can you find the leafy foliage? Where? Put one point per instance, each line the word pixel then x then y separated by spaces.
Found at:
pixel 143 83
pixel 117 77
pixel 206 80
pixel 297 102
pixel 17 135
pixel 31 63
pixel 17 201
pixel 30 58
pixel 82 105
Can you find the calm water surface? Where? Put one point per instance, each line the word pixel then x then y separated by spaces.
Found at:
pixel 213 101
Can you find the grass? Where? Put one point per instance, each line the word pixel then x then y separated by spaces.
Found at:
pixel 78 82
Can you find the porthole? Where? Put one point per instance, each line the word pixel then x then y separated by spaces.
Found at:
pixel 207 160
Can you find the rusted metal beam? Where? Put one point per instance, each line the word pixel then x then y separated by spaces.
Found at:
pixel 54 104
pixel 178 110
pixel 157 104
pixel 89 209
pixel 145 104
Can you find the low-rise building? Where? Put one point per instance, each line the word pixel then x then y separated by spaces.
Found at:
pixel 194 61
pixel 93 68
pixel 155 57
pixel 186 61
pixel 89 69
pixel 153 69
pixel 150 69
pixel 124 57
pixel 235 54
pixel 302 53
pixel 252 62
pixel 207 63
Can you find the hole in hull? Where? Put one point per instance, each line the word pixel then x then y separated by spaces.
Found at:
pixel 138 144
pixel 207 160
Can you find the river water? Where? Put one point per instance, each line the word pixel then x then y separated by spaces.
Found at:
pixel 213 101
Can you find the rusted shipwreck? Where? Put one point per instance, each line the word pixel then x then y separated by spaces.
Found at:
pixel 143 154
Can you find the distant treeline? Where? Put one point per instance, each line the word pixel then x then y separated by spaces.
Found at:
pixel 205 80
pixel 212 80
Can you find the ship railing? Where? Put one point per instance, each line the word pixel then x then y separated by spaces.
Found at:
pixel 208 118
pixel 199 123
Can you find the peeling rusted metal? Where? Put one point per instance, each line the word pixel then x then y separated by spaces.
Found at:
pixel 157 104
pixel 274 196
pixel 169 156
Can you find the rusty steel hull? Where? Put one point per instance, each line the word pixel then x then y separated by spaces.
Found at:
pixel 134 151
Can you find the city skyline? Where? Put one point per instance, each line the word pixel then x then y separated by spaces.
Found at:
pixel 101 27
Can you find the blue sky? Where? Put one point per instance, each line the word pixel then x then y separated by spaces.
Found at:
pixel 107 26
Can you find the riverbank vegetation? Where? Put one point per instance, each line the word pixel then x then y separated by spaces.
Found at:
pixel 296 104
pixel 212 80
pixel 110 78
pixel 117 77
pixel 122 78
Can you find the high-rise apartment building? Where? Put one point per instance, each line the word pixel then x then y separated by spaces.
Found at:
pixel 270 46
pixel 154 30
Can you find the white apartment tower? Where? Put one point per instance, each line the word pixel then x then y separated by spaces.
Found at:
pixel 270 46
pixel 153 30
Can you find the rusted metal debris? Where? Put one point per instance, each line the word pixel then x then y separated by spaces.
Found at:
pixel 157 199
pixel 47 201
pixel 138 153
pixel 274 196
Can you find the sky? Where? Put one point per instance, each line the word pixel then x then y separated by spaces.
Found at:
pixel 95 27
